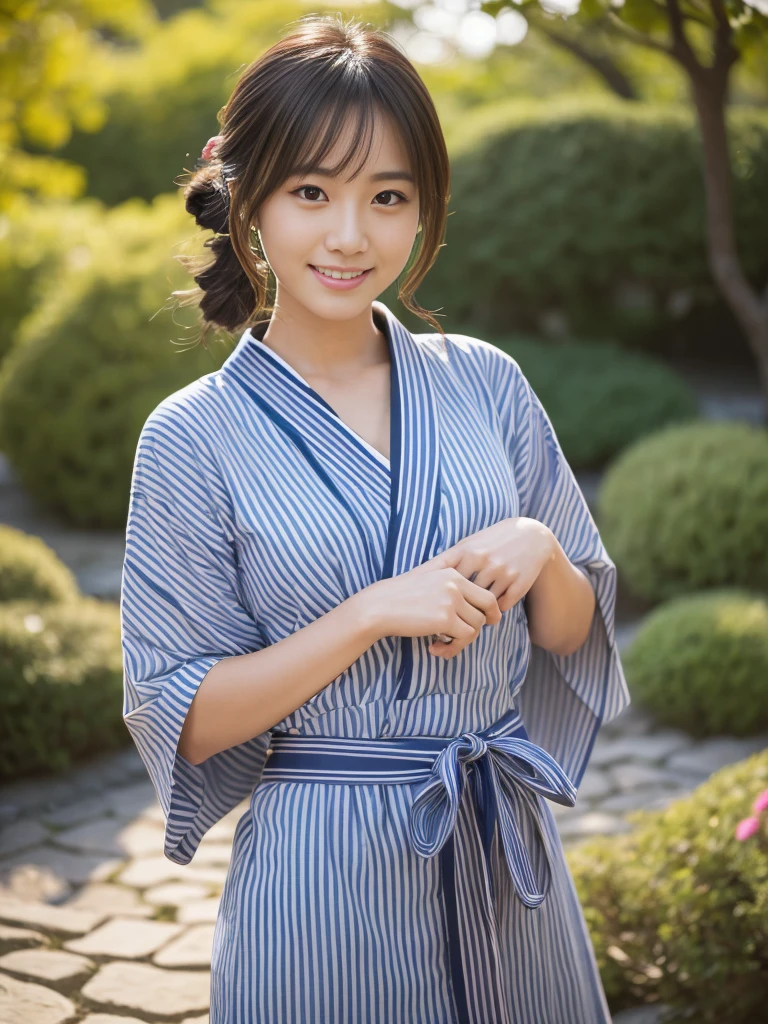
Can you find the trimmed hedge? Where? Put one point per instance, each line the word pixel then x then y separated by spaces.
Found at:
pixel 678 908
pixel 30 570
pixel 591 212
pixel 61 684
pixel 700 663
pixel 686 509
pixel 600 398
pixel 94 360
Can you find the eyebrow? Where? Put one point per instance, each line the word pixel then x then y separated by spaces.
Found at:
pixel 325 172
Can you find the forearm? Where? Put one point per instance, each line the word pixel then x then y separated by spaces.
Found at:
pixel 245 695
pixel 560 605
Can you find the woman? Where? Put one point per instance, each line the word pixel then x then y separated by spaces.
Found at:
pixel 362 586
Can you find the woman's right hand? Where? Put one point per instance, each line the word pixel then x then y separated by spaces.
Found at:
pixel 427 601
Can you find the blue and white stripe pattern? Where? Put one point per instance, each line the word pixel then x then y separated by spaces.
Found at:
pixel 254 510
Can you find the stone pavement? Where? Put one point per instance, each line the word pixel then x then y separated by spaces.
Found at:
pixel 97 926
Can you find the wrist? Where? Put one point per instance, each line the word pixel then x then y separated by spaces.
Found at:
pixel 367 615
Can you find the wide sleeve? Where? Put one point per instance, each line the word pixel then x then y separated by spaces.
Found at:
pixel 181 612
pixel 564 699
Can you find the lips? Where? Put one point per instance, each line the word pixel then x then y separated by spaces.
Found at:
pixel 340 283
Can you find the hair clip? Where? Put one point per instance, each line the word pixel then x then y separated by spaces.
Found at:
pixel 209 147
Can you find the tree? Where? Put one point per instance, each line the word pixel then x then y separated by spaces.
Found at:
pixel 52 75
pixel 705 38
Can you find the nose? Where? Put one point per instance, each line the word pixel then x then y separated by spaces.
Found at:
pixel 348 234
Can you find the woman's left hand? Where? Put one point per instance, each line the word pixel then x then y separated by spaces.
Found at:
pixel 505 558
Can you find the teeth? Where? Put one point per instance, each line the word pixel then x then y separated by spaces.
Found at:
pixel 338 274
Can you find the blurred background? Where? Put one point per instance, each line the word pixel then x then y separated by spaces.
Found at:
pixel 609 228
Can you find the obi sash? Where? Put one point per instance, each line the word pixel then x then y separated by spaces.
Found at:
pixel 501 764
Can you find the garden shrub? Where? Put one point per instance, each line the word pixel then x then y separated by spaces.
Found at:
pixel 600 398
pixel 686 509
pixel 678 907
pixel 93 361
pixel 34 242
pixel 60 684
pixel 30 570
pixel 700 663
pixel 590 212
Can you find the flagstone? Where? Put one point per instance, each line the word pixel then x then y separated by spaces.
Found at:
pixel 84 809
pixel 199 912
pixel 175 894
pixel 153 991
pixel 113 837
pixel 144 872
pixel 18 938
pixel 126 937
pixel 631 776
pixel 192 949
pixel 59 920
pixel 590 824
pixel 76 868
pixel 55 967
pixel 22 1002
pixel 21 834
pixel 710 755
pixel 111 899
pixel 110 1018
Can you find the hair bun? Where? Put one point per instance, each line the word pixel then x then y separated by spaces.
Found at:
pixel 207 199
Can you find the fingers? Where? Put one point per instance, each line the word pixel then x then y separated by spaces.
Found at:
pixel 482 599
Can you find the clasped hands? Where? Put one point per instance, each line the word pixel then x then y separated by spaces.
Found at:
pixel 505 559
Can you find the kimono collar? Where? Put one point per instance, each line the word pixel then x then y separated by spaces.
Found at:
pixel 322 438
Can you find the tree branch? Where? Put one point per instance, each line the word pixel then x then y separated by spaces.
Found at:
pixel 612 75
pixel 634 36
pixel 681 48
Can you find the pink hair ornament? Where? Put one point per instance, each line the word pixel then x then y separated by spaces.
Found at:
pixel 210 146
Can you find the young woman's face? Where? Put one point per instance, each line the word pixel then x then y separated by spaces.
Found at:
pixel 315 222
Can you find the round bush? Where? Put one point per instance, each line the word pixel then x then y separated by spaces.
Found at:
pixel 601 398
pixel 92 362
pixel 687 508
pixel 30 570
pixel 700 663
pixel 60 684
pixel 678 908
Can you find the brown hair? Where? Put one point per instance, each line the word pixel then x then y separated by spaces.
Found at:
pixel 287 110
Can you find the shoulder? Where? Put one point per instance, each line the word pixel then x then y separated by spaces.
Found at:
pixel 482 364
pixel 176 440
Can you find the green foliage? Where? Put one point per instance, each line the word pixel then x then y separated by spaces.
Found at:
pixel 145 145
pixel 36 243
pixel 30 570
pixel 60 684
pixel 700 663
pixel 600 398
pixel 95 358
pixel 687 509
pixel 51 78
pixel 592 212
pixel 678 908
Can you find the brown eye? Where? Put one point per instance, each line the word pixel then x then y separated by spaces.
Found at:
pixel 389 192
pixel 309 188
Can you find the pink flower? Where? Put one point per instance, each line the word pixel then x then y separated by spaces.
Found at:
pixel 209 147
pixel 746 828
pixel 761 802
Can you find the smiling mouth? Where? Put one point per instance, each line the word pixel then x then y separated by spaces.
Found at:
pixel 340 275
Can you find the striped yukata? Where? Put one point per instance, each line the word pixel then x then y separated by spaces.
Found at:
pixel 398 862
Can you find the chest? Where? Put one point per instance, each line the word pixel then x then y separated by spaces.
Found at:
pixel 363 404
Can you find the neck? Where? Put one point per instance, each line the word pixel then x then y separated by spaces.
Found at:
pixel 317 347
